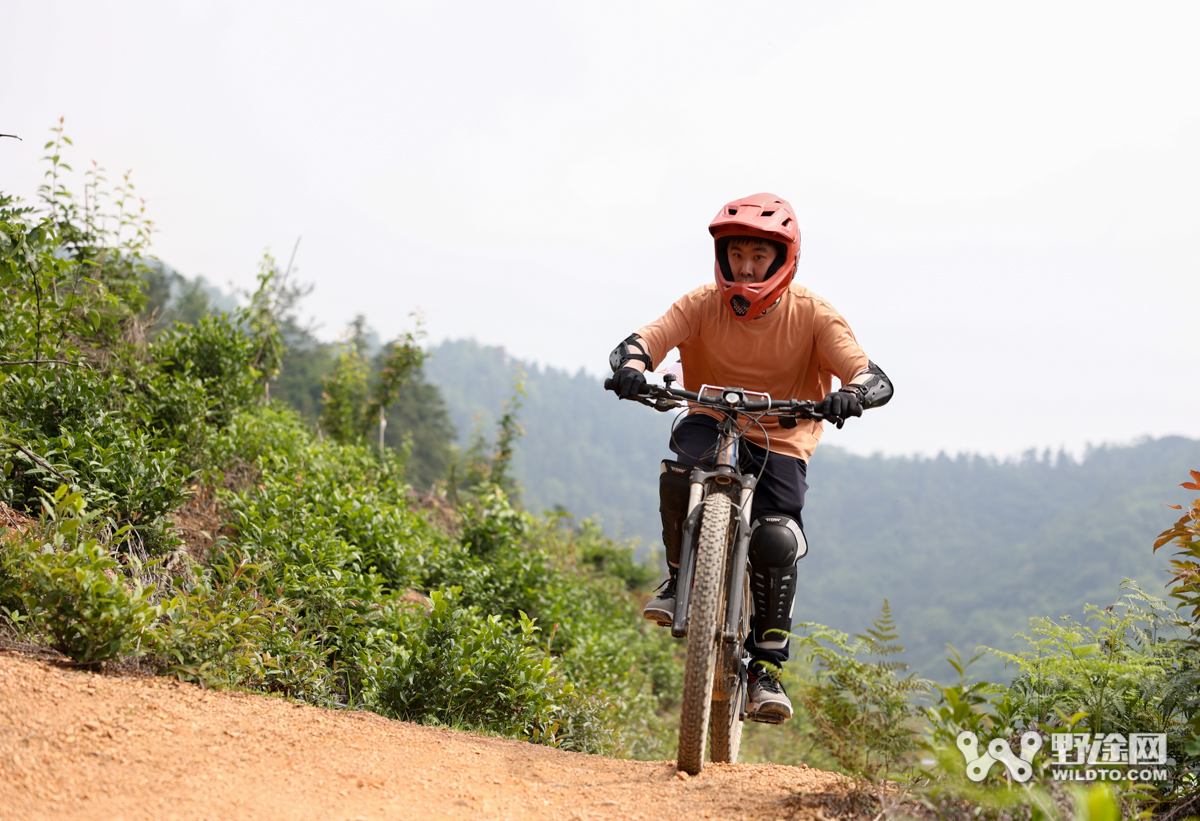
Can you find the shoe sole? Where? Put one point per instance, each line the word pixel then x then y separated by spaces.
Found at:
pixel 769 712
pixel 768 717
pixel 661 617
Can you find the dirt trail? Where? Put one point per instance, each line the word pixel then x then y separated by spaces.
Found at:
pixel 77 745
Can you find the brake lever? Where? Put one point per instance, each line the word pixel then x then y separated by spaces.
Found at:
pixel 791 421
pixel 663 402
pixel 657 399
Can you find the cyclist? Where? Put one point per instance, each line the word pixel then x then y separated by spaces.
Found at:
pixel 756 329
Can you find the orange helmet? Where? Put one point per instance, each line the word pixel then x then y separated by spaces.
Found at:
pixel 760 215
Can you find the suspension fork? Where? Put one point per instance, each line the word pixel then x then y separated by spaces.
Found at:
pixel 737 569
pixel 687 559
pixel 725 473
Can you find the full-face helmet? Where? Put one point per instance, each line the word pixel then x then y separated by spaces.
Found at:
pixel 768 217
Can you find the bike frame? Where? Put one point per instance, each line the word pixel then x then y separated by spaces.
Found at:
pixel 726 674
pixel 722 478
pixel 725 477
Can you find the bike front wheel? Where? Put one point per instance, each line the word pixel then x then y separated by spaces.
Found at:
pixel 725 725
pixel 705 611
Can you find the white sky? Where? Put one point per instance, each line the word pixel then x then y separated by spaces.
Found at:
pixel 1001 198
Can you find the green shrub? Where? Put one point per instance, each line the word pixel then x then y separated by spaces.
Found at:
pixel 1119 671
pixel 864 711
pixel 345 395
pixel 461 669
pixel 332 532
pixel 1124 674
pixel 229 634
pixel 82 401
pixel 497 566
pixel 605 557
pixel 70 585
pixel 216 355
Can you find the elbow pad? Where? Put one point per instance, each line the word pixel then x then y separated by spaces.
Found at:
pixel 872 387
pixel 622 354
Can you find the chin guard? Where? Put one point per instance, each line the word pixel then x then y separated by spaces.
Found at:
pixel 622 354
pixel 872 387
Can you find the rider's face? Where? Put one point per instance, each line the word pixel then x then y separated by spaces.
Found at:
pixel 750 261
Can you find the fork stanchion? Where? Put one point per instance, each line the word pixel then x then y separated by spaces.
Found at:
pixel 737 576
pixel 687 570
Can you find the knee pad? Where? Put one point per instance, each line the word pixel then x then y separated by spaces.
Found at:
pixel 776 541
pixel 776 544
pixel 674 485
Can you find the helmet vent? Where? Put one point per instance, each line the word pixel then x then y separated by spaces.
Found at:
pixel 739 304
pixel 732 212
pixel 768 213
pixel 787 222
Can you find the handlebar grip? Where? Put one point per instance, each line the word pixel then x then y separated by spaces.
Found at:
pixel 608 384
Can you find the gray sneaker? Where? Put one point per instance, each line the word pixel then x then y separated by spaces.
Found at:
pixel 661 608
pixel 765 700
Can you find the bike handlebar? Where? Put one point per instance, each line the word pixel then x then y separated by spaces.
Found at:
pixel 668 398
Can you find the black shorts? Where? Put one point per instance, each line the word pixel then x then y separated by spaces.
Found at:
pixel 781 485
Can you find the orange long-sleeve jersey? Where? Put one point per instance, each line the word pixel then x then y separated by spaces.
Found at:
pixel 793 352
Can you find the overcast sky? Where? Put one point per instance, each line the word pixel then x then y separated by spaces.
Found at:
pixel 1001 198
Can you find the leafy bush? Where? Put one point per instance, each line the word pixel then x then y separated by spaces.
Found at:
pixel 352 409
pixel 227 633
pixel 863 710
pixel 464 670
pixel 345 396
pixel 1122 675
pixel 218 358
pixel 69 584
pixel 331 529
pixel 1185 570
pixel 605 557
pixel 82 402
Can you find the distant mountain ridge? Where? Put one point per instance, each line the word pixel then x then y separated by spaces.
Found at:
pixel 965 548
pixel 581 450
pixel 968 549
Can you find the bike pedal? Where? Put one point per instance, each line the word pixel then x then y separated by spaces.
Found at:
pixel 766 718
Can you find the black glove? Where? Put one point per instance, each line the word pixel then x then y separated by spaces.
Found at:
pixel 840 405
pixel 628 382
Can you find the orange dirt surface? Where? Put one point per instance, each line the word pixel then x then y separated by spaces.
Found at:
pixel 76 745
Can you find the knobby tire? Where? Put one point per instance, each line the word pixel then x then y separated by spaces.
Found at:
pixel 705 612
pixel 725 723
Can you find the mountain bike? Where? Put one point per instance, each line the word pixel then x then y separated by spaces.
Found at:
pixel 713 591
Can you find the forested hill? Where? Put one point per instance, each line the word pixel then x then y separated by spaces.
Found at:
pixel 966 549
pixel 582 450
